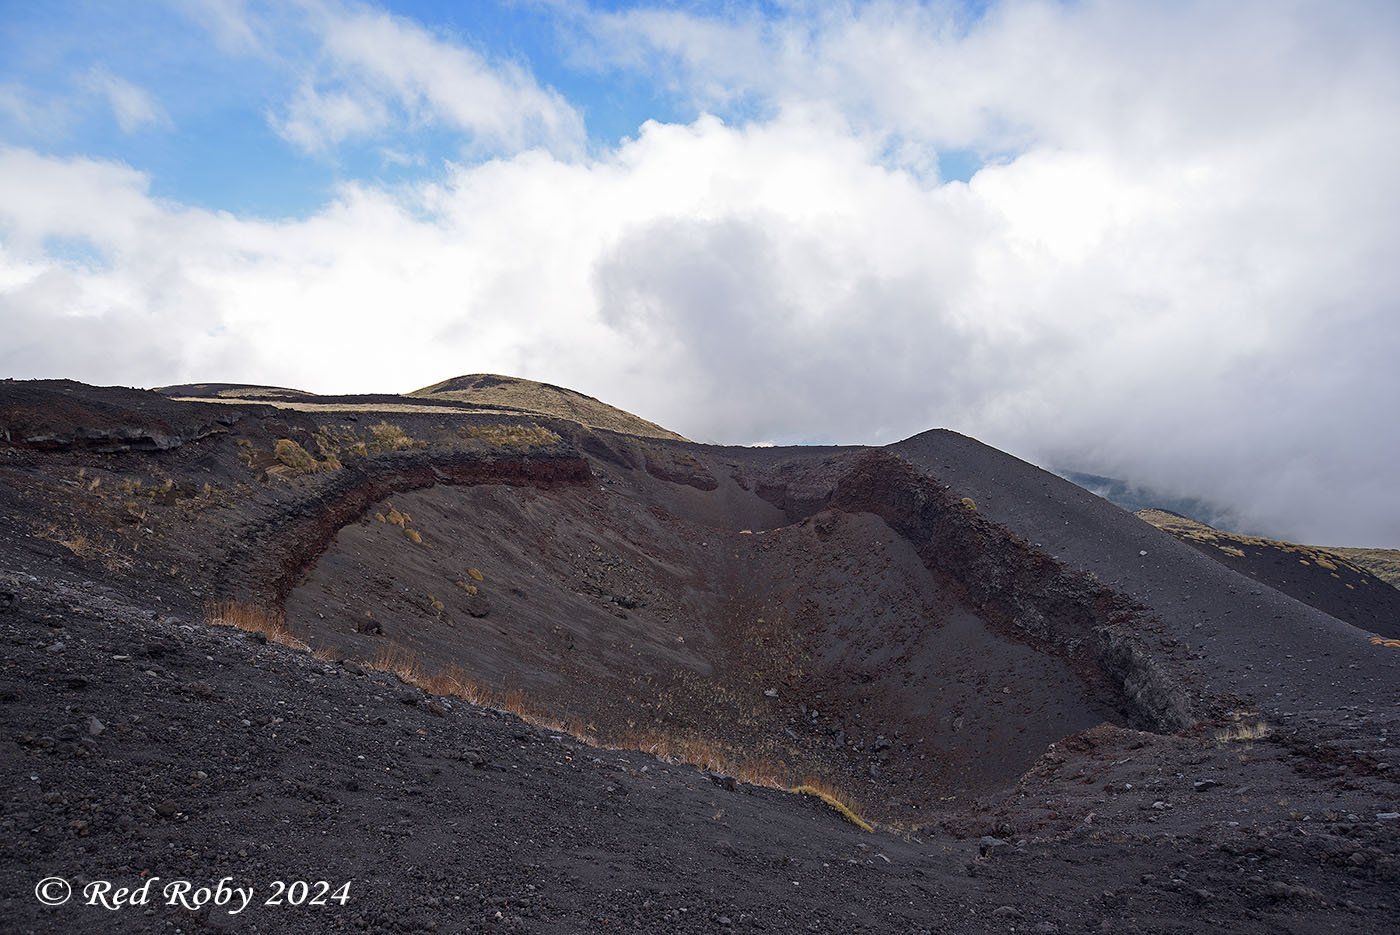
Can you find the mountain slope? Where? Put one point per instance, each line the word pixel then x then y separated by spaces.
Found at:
pixel 1053 712
pixel 1322 578
pixel 528 396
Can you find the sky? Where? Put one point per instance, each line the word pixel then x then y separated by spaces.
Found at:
pixel 1151 240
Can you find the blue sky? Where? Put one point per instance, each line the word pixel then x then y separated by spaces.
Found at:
pixel 214 145
pixel 1145 239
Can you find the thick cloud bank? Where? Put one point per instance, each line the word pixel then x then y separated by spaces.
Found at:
pixel 1175 263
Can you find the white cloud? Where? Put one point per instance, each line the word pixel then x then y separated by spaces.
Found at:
pixel 378 71
pixel 234 27
pixel 133 107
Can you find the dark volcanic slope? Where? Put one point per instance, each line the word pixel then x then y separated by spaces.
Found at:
pixel 605 611
pixel 1317 577
pixel 837 612
pixel 218 756
pixel 1243 638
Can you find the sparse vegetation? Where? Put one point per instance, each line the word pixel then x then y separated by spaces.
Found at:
pixel 515 437
pixel 1383 563
pixel 398 662
pixel 253 619
pixel 833 798
pixel 388 437
pixel 300 460
pixel 1382 641
pixel 476 575
pixel 413 536
pixel 89 548
pixel 693 750
pixel 1243 730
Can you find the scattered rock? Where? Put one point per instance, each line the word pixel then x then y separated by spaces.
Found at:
pixel 990 846
pixel 727 783
pixel 771 693
pixel 1006 912
pixel 1202 785
pixel 156 649
pixel 167 809
pixel 95 727
pixel 1280 891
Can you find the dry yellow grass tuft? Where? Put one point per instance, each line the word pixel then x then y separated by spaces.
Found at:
pixel 399 662
pixel 294 456
pixel 86 547
pixel 833 797
pixel 970 503
pixel 1243 730
pixel 253 619
pixel 510 436
pixel 388 437
pixel 693 750
pixel 1382 641
pixel 476 574
pixel 413 536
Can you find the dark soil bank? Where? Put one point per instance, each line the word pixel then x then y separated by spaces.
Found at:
pixel 1061 719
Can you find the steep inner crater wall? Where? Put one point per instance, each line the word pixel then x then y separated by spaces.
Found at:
pixel 852 644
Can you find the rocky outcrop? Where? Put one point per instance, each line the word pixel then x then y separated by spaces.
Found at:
pixel 59 415
pixel 273 551
pixel 1034 597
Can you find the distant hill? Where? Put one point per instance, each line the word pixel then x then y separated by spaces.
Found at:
pixel 489 389
pixel 1329 579
pixel 1383 563
pixel 473 393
